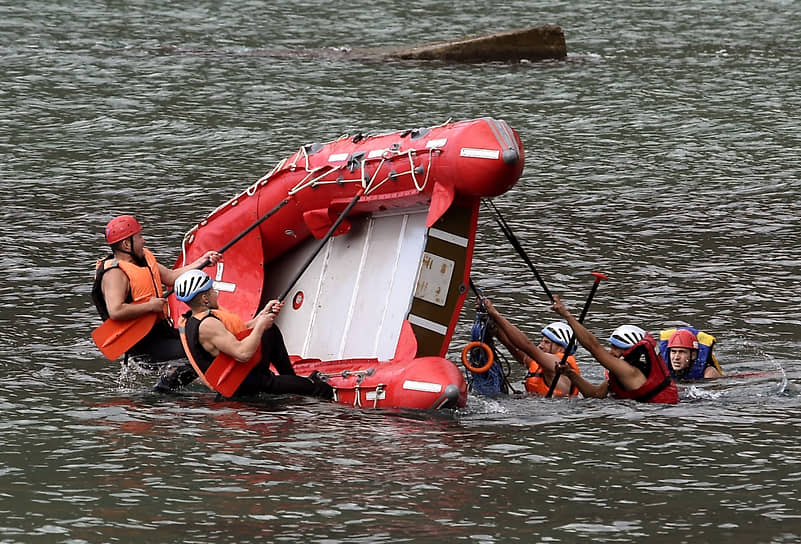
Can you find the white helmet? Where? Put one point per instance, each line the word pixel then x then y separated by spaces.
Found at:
pixel 625 336
pixel 190 283
pixel 560 333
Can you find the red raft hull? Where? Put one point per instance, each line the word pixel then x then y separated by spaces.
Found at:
pixel 444 171
pixel 428 383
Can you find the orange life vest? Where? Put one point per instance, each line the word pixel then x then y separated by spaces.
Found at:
pixel 535 382
pixel 230 320
pixel 144 281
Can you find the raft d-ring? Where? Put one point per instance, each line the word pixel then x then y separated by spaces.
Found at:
pixel 478 369
pixel 297 300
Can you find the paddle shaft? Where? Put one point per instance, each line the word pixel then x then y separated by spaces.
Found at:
pixel 255 224
pixel 303 268
pixel 239 236
pixel 137 333
pixel 572 342
pixel 516 244
pixel 479 293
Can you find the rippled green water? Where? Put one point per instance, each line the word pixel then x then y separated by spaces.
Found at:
pixel 664 152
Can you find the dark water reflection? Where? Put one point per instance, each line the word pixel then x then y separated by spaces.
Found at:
pixel 663 152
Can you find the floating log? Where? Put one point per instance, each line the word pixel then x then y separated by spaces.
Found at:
pixel 534 43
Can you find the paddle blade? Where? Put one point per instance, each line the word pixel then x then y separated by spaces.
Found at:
pixel 113 338
pixel 226 374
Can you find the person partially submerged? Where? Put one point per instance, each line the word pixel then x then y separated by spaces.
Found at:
pixel 637 373
pixel 129 284
pixel 623 338
pixel 540 359
pixel 209 331
pixel 689 354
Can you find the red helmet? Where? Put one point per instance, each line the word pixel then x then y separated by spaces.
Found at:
pixel 121 228
pixel 683 338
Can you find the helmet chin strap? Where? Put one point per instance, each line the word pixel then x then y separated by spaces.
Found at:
pixel 139 261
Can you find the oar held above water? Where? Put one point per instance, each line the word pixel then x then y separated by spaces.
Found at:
pixel 599 276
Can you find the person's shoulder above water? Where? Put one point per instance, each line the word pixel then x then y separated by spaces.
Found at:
pixel 634 369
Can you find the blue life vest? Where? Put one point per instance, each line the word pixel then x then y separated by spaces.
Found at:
pixel 704 358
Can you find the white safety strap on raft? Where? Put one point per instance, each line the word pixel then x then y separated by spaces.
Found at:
pixel 316 176
pixel 428 170
pixel 188 239
pixel 377 391
pixel 272 172
pixel 309 181
pixel 388 155
pixel 368 186
pixel 251 190
pixel 302 151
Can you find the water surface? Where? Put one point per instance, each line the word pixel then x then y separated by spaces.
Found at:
pixel 663 152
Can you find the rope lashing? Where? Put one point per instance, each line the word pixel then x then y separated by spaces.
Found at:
pixel 483 369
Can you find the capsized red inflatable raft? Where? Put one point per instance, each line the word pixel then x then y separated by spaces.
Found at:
pixel 376 307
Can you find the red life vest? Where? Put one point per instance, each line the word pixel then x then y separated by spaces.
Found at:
pixel 223 373
pixel 659 387
pixel 535 381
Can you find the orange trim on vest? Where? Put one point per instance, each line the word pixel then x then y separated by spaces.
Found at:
pixel 231 320
pixel 536 384
pixel 188 352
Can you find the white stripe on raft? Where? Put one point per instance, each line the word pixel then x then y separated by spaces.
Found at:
pixel 448 237
pixel 371 395
pixel 225 286
pixel 427 324
pixel 428 387
pixel 479 153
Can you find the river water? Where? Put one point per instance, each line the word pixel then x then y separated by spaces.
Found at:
pixel 663 152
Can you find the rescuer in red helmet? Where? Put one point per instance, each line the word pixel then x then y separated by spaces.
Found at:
pixel 683 350
pixel 689 358
pixel 129 284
